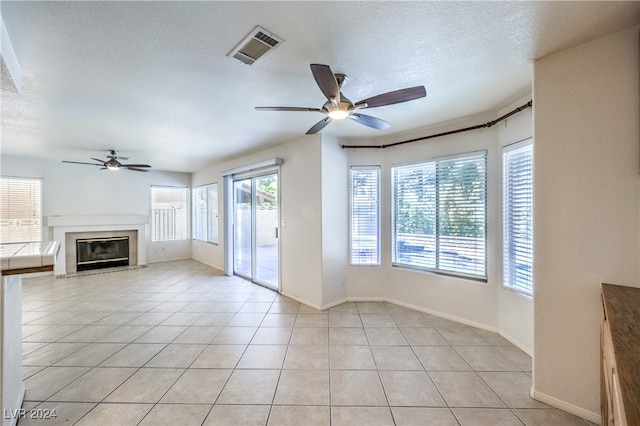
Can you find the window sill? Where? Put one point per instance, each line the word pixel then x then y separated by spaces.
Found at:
pixel 206 242
pixel 440 273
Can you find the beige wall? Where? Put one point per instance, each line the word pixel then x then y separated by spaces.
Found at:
pixel 515 311
pixel 587 218
pixel 313 186
pixel 586 208
pixel 76 190
pixel 335 227
pixel 486 305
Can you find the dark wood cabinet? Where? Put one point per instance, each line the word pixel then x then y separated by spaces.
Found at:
pixel 620 355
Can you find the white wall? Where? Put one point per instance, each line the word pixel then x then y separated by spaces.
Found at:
pixel 77 190
pixel 300 216
pixel 335 228
pixel 586 210
pixel 313 220
pixel 464 300
pixel 515 311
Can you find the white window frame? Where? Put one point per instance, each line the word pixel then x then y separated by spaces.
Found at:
pixel 435 256
pixel 355 241
pixel 179 234
pixel 14 229
pixel 517 226
pixel 211 208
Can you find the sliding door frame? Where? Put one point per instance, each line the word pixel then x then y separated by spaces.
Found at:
pixel 267 167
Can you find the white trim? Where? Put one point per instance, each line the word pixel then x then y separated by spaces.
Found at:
pixel 406 305
pixel 301 300
pixel 275 161
pixel 174 259
pixel 516 343
pixel 565 406
pixel 517 145
pixel 443 315
pixel 63 224
pixel 227 231
pixel 217 268
pixel 476 153
pixel 96 220
pixel 378 208
pixel 10 59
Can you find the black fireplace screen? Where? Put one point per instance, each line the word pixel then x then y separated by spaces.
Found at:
pixel 94 253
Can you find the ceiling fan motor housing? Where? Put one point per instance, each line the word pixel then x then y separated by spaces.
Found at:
pixel 338 110
pixel 339 107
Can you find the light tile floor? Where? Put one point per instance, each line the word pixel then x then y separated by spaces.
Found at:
pixel 178 343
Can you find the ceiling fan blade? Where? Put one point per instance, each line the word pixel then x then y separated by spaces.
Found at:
pixel 326 81
pixel 319 126
pixel 288 109
pixel 78 162
pixel 96 159
pixel 135 165
pixel 135 169
pixel 395 97
pixel 370 121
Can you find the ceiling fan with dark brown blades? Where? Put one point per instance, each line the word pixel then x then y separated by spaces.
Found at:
pixel 113 163
pixel 338 107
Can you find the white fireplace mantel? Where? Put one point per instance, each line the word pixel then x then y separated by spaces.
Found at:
pixel 64 224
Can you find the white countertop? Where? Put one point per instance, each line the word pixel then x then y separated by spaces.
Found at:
pixel 20 256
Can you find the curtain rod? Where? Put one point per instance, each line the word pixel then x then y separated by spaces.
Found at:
pixel 451 132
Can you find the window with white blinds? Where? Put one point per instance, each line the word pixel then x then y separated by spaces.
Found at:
pixel 20 209
pixel 517 190
pixel 440 215
pixel 365 215
pixel 205 213
pixel 169 213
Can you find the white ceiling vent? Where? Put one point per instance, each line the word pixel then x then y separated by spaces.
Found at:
pixel 255 46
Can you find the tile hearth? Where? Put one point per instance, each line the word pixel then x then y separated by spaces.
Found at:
pixel 179 343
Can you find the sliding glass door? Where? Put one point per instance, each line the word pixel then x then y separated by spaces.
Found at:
pixel 255 230
pixel 242 230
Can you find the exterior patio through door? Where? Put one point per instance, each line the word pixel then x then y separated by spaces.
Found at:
pixel 255 230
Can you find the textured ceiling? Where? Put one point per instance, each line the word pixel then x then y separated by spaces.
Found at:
pixel 153 80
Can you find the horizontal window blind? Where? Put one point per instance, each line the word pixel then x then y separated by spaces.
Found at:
pixel 518 218
pixel 205 212
pixel 168 213
pixel 20 209
pixel 365 215
pixel 439 215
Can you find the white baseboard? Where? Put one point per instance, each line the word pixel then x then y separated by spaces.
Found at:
pixel 208 264
pixel 301 300
pixel 332 304
pixel 166 260
pixel 366 299
pixel 565 406
pixel 443 315
pixel 516 343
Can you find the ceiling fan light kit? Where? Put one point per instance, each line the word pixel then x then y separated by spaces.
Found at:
pixel 113 163
pixel 338 107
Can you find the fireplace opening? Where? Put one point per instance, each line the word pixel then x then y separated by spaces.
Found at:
pixel 96 253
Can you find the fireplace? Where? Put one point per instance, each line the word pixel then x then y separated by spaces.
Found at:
pixel 96 253
pixel 68 229
pixel 95 244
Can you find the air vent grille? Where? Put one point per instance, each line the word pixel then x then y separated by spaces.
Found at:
pixel 256 45
pixel 263 37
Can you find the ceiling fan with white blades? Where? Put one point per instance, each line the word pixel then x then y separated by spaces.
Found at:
pixel 113 163
pixel 338 107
